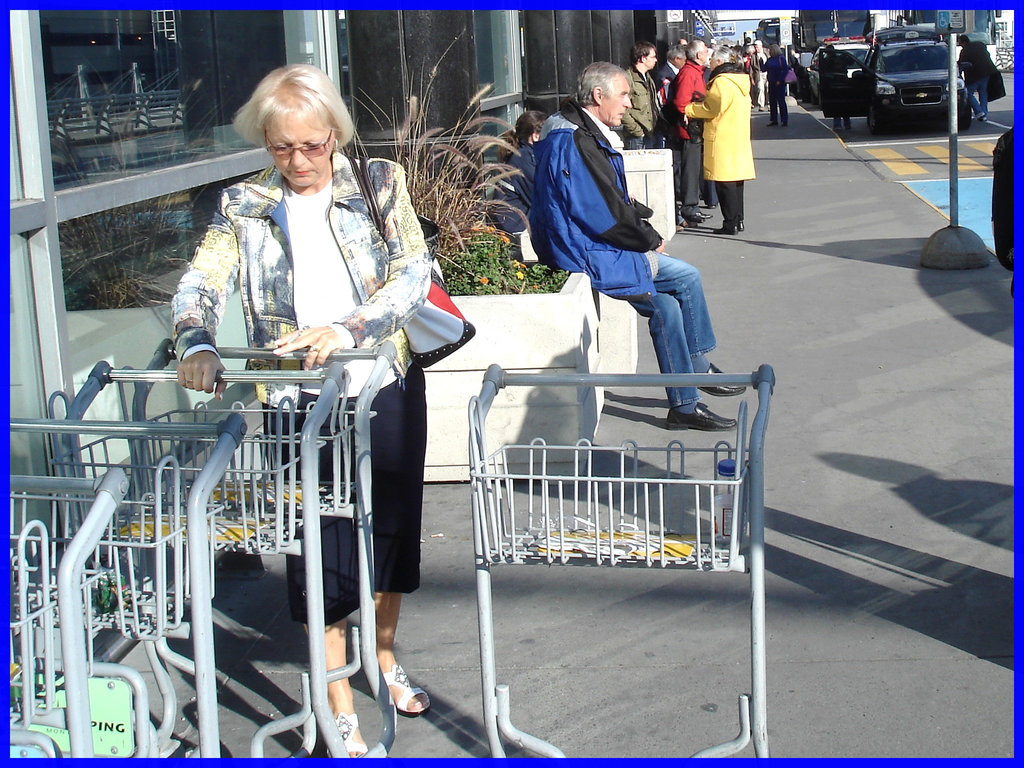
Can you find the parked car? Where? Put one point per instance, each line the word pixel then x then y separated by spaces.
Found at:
pixel 831 72
pixel 905 79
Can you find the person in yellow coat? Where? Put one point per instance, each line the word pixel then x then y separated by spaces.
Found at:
pixel 728 157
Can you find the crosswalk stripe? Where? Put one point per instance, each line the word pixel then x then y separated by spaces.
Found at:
pixel 985 147
pixel 895 162
pixel 942 154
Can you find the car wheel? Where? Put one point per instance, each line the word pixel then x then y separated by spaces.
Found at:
pixel 963 119
pixel 874 124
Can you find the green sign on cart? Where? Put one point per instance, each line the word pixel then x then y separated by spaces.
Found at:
pixel 112 709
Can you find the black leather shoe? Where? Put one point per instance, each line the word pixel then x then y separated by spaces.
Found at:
pixel 704 215
pixel 695 219
pixel 724 231
pixel 772 123
pixel 739 226
pixel 723 390
pixel 702 419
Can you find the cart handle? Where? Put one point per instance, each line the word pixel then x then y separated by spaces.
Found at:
pixel 165 353
pixel 102 373
pixel 501 378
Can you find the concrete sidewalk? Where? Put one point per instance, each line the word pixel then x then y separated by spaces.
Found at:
pixel 889 487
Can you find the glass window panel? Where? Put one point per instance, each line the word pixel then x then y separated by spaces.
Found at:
pixel 133 256
pixel 496 53
pixel 133 91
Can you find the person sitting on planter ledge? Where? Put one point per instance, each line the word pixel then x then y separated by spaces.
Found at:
pixel 583 220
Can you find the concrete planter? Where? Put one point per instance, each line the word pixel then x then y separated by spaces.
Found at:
pixel 573 331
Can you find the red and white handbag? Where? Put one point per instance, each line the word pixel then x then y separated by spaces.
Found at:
pixel 438 328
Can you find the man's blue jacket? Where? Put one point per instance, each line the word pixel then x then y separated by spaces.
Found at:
pixel 582 218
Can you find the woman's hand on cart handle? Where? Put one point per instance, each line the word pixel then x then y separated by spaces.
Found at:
pixel 201 372
pixel 320 343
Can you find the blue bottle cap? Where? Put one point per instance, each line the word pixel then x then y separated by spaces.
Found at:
pixel 727 468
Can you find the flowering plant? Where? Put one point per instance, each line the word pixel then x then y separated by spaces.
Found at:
pixel 485 266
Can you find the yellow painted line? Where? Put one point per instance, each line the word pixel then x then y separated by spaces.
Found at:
pixel 942 153
pixel 985 147
pixel 896 162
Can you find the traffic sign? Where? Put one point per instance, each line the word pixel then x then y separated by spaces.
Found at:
pixel 948 22
pixel 785 30
pixel 725 28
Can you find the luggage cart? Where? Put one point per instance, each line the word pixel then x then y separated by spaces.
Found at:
pixel 623 505
pixel 264 506
pixel 60 589
pixel 146 567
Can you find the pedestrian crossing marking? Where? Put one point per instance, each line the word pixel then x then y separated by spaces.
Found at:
pixel 896 162
pixel 942 153
pixel 985 147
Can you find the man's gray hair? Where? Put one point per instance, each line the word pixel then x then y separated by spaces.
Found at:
pixel 693 49
pixel 600 74
pixel 675 51
pixel 722 54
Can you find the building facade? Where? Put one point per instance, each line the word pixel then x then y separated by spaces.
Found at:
pixel 121 138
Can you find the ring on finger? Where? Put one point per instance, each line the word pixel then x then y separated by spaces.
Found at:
pixel 314 348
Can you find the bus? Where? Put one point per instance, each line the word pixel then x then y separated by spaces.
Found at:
pixel 818 26
pixel 981 25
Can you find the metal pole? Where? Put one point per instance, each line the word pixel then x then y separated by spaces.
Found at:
pixel 954 201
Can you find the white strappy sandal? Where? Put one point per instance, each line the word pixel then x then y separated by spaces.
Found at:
pixel 398 679
pixel 347 726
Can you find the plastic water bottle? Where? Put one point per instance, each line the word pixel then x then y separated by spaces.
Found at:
pixel 724 499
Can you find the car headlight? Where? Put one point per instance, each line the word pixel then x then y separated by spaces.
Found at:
pixel 885 89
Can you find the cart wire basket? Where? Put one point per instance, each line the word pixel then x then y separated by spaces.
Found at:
pixel 63 700
pixel 665 506
pixel 260 499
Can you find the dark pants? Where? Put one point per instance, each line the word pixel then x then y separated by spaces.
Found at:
pixel 398 438
pixel 677 174
pixel 777 107
pixel 690 173
pixel 707 192
pixel 730 195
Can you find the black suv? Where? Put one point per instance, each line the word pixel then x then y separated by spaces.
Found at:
pixel 905 78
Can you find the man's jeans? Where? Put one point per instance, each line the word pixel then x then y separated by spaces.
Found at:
pixel 642 142
pixel 680 325
pixel 979 103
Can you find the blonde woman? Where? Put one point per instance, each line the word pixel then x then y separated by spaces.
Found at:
pixel 728 157
pixel 315 275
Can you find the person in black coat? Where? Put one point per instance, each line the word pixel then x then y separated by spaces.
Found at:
pixel 977 67
pixel 1002 201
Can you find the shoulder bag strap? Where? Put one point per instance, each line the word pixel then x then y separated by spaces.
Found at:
pixel 359 170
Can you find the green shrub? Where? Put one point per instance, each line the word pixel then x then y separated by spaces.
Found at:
pixel 486 267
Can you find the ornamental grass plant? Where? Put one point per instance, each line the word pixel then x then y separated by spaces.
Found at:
pixel 451 179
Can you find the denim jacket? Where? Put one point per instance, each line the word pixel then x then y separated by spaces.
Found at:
pixel 245 248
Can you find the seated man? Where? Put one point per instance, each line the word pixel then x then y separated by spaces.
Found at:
pixel 583 220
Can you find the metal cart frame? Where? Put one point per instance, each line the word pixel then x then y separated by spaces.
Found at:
pixel 606 511
pixel 351 430
pixel 55 580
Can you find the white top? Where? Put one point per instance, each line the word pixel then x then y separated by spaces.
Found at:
pixel 610 136
pixel 324 292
